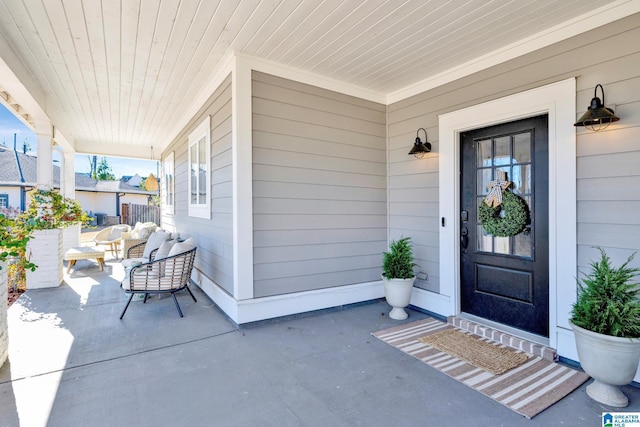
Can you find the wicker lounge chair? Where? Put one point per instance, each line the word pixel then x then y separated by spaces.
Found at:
pixel 111 236
pixel 161 276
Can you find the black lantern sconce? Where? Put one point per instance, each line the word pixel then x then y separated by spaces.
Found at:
pixel 419 149
pixel 598 116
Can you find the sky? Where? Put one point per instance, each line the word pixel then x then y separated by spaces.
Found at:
pixel 10 125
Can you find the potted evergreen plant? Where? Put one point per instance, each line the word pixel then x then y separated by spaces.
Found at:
pixel 606 323
pixel 398 276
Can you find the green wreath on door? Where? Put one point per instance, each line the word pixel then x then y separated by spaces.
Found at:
pixel 503 213
pixel 514 221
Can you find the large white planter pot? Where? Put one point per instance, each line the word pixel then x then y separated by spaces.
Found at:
pixel 45 250
pixel 611 361
pixel 398 294
pixel 70 237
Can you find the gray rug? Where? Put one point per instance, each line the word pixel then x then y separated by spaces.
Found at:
pixel 527 389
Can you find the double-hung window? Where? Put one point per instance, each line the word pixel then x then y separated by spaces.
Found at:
pixel 168 188
pixel 200 171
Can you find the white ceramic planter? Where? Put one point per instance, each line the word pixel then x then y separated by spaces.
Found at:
pixel 45 249
pixel 611 361
pixel 398 294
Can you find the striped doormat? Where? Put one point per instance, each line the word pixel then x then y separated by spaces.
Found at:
pixel 527 389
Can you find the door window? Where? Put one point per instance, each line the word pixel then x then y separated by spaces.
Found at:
pixel 510 154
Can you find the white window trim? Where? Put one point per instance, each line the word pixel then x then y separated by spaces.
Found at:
pixel 168 169
pixel 201 210
pixel 558 101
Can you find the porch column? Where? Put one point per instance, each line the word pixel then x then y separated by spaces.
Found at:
pixel 44 134
pixel 70 235
pixel 68 175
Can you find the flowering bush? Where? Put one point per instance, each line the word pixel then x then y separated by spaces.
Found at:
pixel 49 209
pixel 10 241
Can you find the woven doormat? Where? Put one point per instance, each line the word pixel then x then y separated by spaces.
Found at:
pixel 472 349
pixel 527 389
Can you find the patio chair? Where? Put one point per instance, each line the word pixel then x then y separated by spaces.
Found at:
pixel 141 252
pixel 111 236
pixel 139 234
pixel 162 275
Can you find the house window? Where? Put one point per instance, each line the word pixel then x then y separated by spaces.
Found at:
pixel 199 168
pixel 168 188
pixel 4 200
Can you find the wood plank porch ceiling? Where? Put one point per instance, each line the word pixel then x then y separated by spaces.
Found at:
pixel 122 71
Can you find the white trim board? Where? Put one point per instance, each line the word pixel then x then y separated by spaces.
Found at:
pixel 558 101
pixel 257 309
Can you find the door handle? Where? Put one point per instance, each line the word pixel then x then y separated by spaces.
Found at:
pixel 464 238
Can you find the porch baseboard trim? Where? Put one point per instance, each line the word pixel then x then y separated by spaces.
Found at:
pixel 283 305
pixel 431 301
pixel 257 309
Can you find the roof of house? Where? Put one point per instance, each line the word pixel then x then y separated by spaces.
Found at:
pixel 20 169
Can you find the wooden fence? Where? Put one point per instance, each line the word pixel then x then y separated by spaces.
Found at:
pixel 139 213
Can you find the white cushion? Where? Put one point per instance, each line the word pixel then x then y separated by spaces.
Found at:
pixel 154 242
pixel 116 233
pixel 164 249
pixel 177 249
pixel 182 247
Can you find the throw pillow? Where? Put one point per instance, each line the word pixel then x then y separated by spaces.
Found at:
pixel 182 247
pixel 129 262
pixel 164 249
pixel 145 232
pixel 154 242
pixel 177 249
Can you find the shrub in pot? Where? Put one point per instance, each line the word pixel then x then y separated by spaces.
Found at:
pixel 398 276
pixel 606 322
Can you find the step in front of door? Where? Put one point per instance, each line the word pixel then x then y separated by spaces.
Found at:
pixel 504 338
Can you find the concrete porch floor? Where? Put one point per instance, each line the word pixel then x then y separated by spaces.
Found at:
pixel 72 362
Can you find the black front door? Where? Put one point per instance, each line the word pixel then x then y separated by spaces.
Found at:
pixel 506 279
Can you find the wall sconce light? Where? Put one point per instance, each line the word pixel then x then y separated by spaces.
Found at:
pixel 598 116
pixel 419 149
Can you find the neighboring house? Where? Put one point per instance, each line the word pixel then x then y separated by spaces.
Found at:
pixel 134 180
pixel 18 177
pixel 299 220
pixel 108 196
